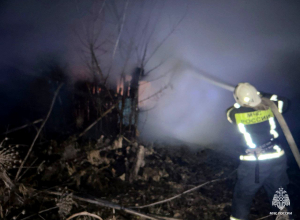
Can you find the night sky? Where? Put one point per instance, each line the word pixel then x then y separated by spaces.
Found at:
pixel 235 41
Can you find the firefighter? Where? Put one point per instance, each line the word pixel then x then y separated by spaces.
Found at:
pixel 264 161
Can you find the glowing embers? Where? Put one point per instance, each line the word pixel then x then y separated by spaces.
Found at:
pixel 273 127
pixel 263 156
pixel 247 136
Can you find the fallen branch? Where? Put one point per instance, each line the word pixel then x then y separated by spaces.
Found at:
pixel 41 217
pixel 21 127
pixel 265 217
pixel 165 218
pixel 84 213
pixel 104 203
pixel 27 169
pixel 126 139
pixel 46 210
pixel 179 195
pixel 185 192
pixel 39 131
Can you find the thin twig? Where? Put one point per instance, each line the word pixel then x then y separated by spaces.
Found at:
pixel 149 109
pixel 120 31
pixel 84 213
pixel 39 131
pixel 27 169
pixel 143 40
pixel 157 78
pixel 155 94
pixel 126 139
pixel 156 67
pixel 264 217
pixel 46 210
pixel 96 35
pixel 23 126
pixel 96 62
pixel 165 218
pixel 104 203
pixel 179 195
pixel 95 122
pixel 166 37
pixel 41 217
pixel 185 192
pixel 117 41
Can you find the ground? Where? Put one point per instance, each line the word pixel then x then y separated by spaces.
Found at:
pixel 128 174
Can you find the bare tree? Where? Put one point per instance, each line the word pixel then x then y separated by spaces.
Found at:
pixel 118 44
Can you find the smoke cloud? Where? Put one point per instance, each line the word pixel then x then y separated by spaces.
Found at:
pixel 233 41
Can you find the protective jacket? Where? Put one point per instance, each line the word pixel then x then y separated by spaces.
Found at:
pixel 264 160
pixel 259 128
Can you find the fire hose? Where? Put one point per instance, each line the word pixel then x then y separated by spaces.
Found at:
pixel 285 128
pixel 287 133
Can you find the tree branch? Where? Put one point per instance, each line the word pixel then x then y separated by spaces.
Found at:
pixel 164 40
pixel 265 217
pixel 151 96
pixel 39 131
pixel 185 192
pixel 118 39
pixel 27 169
pixel 21 127
pixel 96 62
pixel 104 203
pixel 46 210
pixel 98 119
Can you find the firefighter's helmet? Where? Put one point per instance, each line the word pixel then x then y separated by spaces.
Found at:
pixel 246 95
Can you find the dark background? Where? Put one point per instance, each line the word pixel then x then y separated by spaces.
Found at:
pixel 234 41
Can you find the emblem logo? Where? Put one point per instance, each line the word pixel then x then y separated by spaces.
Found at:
pixel 281 199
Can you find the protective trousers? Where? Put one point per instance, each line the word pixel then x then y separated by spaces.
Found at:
pixel 272 176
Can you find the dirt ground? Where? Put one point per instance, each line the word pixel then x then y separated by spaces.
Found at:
pixel 127 174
